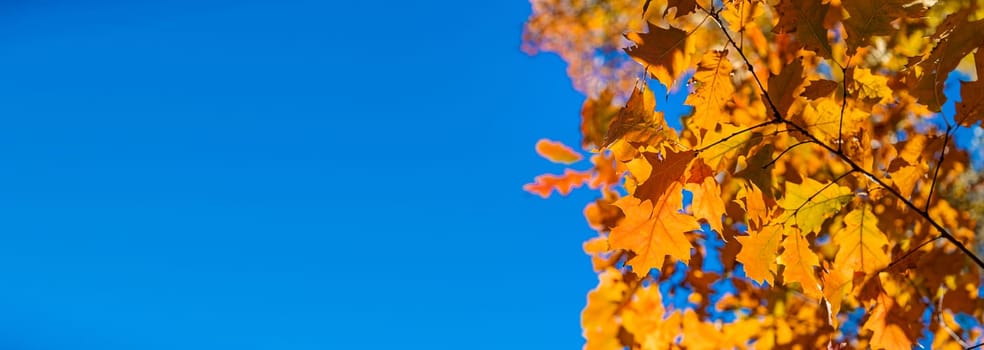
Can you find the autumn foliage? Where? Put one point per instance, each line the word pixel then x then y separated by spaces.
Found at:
pixel 813 196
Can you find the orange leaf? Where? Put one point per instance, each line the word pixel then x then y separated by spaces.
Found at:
pixel 564 184
pixel 556 152
pixel 886 326
pixel 653 231
pixel 707 203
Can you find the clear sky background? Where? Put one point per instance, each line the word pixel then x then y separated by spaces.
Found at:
pixel 282 175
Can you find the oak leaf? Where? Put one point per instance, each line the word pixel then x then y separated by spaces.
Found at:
pixel 645 317
pixel 666 169
pixel 653 229
pixel 661 51
pixel 683 7
pixel 819 88
pixel 886 327
pixel 810 203
pixel 596 115
pixel 543 185
pixel 805 20
pixel 869 18
pixel 954 41
pixel 712 90
pixel 970 109
pixel 598 317
pixel 707 203
pixel 871 86
pixel 638 122
pixel 800 263
pixel 783 86
pixel 823 119
pixel 862 243
pixel 759 253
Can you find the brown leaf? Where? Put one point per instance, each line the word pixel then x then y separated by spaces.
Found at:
pixel 661 51
pixel 819 88
pixel 805 19
pixel 970 109
pixel 782 87
pixel 668 168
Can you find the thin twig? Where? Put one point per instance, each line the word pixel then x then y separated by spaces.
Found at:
pixel 939 317
pixel 840 126
pixel 910 252
pixel 773 161
pixel 818 192
pixel 939 164
pixel 775 110
pixel 736 133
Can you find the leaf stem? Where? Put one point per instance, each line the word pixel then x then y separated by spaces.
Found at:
pixel 939 164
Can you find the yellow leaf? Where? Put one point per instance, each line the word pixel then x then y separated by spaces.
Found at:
pixel 836 283
pixel 644 318
pixel 800 262
pixel 871 86
pixel 809 214
pixel 822 118
pixel 862 244
pixel 759 253
pixel 754 204
pixel 713 89
pixel 720 155
pixel 598 319
pixel 905 178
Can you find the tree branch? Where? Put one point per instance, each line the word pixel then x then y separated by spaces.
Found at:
pixel 854 166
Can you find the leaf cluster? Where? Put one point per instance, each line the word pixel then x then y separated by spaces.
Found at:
pixel 826 199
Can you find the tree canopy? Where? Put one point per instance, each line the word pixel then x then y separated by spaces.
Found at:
pixel 813 196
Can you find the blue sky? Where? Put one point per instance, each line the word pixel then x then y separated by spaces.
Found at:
pixel 282 175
